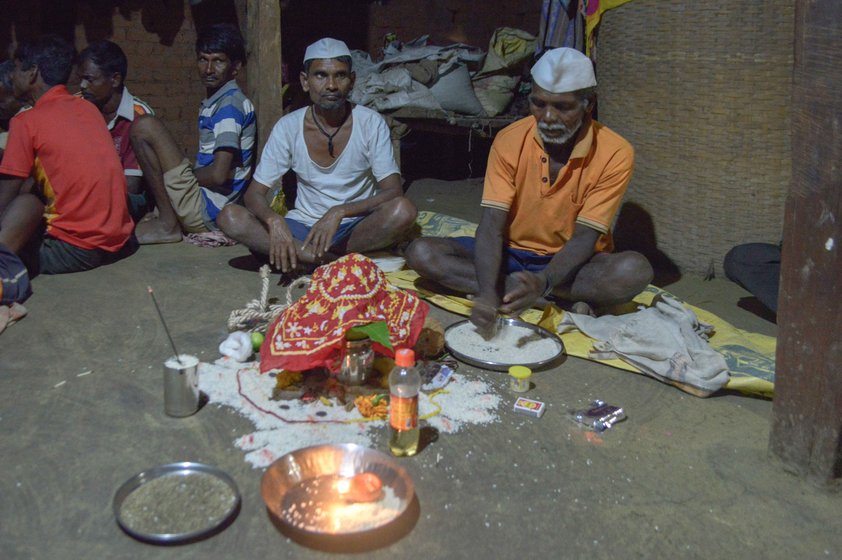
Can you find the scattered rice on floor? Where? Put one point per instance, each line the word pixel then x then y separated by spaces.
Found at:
pixel 463 402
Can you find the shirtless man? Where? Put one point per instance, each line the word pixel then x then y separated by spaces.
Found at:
pixel 349 198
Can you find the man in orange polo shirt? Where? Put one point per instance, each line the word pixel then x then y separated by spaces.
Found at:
pixel 63 143
pixel 553 185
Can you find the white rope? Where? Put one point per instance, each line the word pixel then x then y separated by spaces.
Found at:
pixel 258 314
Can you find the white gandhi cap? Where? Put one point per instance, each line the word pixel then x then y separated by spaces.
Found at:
pixel 563 70
pixel 326 48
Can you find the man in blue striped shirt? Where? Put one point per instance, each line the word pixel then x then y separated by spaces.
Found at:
pixel 189 198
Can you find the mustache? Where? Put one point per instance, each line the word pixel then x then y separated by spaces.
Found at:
pixel 563 133
pixel 560 127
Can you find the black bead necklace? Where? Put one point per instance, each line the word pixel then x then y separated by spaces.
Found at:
pixel 323 131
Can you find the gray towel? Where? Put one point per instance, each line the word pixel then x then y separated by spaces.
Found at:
pixel 665 341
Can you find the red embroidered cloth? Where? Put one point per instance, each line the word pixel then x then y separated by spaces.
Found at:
pixel 346 293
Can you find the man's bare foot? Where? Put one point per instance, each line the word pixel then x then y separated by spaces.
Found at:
pixel 153 231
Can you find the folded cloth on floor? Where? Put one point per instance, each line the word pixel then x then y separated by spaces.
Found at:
pixel 210 239
pixel 665 341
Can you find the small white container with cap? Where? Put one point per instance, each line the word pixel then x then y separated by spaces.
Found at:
pixel 519 377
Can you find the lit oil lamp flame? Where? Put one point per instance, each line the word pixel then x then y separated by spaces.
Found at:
pixel 343 485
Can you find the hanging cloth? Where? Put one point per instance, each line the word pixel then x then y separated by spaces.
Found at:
pixel 562 25
pixel 593 14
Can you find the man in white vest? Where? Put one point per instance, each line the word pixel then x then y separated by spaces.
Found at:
pixel 349 198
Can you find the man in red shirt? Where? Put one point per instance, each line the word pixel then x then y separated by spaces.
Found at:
pixel 63 144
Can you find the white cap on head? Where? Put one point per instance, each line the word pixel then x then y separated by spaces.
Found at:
pixel 326 48
pixel 563 70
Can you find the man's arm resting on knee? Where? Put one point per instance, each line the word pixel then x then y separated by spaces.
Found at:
pixel 282 251
pixel 215 175
pixel 388 188
pixel 560 270
pixel 571 258
pixel 9 189
pixel 256 202
pixel 322 232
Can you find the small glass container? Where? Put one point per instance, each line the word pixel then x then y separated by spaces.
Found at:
pixel 357 360
pixel 519 378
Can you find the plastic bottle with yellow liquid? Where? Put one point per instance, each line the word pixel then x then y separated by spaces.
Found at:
pixel 404 384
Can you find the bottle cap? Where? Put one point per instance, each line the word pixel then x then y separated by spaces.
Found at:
pixel 405 357
pixel 520 372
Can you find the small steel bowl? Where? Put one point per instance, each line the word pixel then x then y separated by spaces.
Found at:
pixel 345 460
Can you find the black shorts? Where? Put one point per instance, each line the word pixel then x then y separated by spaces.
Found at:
pixel 57 257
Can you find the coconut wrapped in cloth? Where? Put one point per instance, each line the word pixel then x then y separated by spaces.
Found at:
pixel 349 292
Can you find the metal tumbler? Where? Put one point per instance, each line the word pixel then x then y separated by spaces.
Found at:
pixel 181 385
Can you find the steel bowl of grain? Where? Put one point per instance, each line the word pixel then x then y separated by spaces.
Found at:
pixel 336 491
pixel 176 503
pixel 515 342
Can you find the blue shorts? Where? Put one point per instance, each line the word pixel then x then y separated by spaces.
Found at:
pixel 14 279
pixel 340 238
pixel 517 260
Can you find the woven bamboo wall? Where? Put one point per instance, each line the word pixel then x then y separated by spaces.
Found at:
pixel 702 90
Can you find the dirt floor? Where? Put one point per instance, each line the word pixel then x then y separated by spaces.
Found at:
pixel 682 477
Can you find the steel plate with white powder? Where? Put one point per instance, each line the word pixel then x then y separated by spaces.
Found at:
pixel 516 343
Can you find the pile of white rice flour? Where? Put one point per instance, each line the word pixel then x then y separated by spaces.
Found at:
pixel 279 430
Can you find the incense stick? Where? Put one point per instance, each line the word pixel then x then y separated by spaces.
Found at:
pixel 166 330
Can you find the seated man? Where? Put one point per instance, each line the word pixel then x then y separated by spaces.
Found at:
pixel 552 187
pixel 350 197
pixel 62 143
pixel 189 198
pixel 102 67
pixel 757 268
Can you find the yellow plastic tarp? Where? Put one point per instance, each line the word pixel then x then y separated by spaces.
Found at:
pixel 750 356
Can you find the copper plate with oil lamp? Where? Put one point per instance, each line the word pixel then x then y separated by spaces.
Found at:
pixel 334 490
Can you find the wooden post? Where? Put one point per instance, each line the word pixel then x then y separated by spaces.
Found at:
pixel 807 411
pixel 264 73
